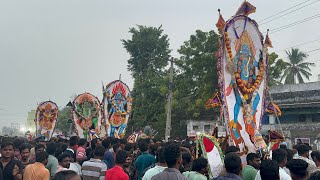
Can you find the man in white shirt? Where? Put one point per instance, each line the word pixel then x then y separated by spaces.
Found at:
pixel 303 151
pixel 280 156
pixel 160 166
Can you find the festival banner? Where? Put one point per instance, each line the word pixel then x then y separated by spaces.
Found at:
pixel 87 116
pixel 242 77
pixel 117 108
pixel 46 119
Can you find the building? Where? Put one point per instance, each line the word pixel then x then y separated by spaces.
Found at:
pixel 300 106
pixel 30 124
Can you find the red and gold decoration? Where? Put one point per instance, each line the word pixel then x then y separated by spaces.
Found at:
pixel 46 118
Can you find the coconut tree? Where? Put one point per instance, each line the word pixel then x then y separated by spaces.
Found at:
pixel 297 68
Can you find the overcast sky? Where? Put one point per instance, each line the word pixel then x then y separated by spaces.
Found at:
pixel 55 49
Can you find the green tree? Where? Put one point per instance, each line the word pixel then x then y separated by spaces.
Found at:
pixel 196 78
pixel 275 69
pixel 297 68
pixel 149 54
pixel 64 116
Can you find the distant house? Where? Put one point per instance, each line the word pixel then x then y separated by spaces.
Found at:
pixel 300 106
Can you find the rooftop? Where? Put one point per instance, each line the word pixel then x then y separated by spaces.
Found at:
pixel 305 95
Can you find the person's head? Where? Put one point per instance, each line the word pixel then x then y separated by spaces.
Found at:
pixel 290 154
pixel 95 142
pixel 128 161
pixel 200 165
pixel 51 148
pixel 315 155
pixel 186 158
pixel 143 146
pixel 172 155
pixel 106 143
pixel 39 148
pixel 64 160
pixel 232 149
pixel 253 160
pixel 315 176
pixel 129 147
pixel 299 141
pixel 298 169
pixel 269 169
pixel 116 147
pixel 160 155
pixel 121 157
pixel 73 141
pixel 25 151
pixel 99 152
pixel 66 175
pixel 232 163
pixel 280 156
pixel 123 143
pixel 42 157
pixel 7 149
pixel 82 142
pixel 303 150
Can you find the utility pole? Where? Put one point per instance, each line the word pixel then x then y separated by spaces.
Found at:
pixel 168 121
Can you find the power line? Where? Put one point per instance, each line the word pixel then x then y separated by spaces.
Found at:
pixel 284 10
pixel 289 12
pixel 299 45
pixel 293 24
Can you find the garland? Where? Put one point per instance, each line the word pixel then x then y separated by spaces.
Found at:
pixel 200 142
pixel 239 81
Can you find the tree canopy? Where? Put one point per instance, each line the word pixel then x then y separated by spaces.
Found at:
pixel 149 54
pixel 275 69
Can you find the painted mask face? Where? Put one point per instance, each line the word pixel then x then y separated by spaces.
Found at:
pixel 245 50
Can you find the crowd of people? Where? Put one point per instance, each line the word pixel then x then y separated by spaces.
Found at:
pixel 148 159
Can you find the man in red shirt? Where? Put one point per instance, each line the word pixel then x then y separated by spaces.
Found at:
pixel 117 173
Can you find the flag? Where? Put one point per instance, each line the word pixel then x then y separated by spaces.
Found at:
pixel 268 42
pixel 214 101
pixel 272 108
pixel 245 9
pixel 221 22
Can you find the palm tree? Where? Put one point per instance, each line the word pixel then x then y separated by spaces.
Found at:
pixel 297 68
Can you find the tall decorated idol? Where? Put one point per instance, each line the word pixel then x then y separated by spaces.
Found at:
pixel 117 104
pixel 46 119
pixel 242 77
pixel 87 116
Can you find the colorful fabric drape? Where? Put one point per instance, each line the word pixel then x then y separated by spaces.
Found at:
pixel 117 103
pixel 87 116
pixel 46 118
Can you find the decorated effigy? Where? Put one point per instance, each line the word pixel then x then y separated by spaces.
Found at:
pixel 46 119
pixel 87 116
pixel 117 104
pixel 242 77
pixel 210 149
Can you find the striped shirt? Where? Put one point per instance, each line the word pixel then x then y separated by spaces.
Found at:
pixel 94 169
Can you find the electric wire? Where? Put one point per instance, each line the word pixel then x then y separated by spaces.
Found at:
pixel 284 10
pixel 289 12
